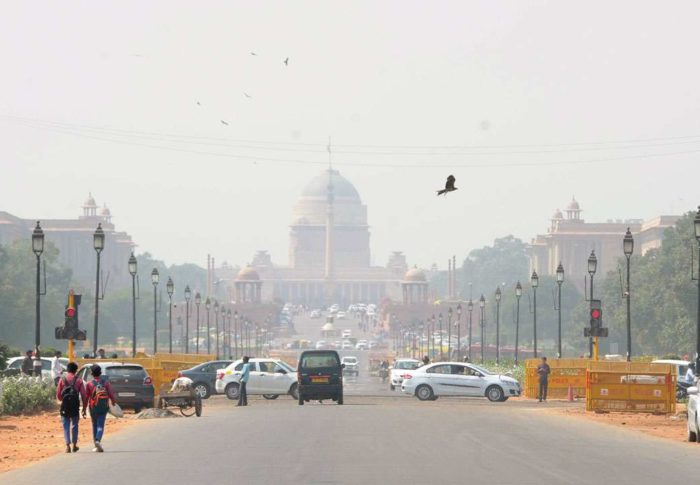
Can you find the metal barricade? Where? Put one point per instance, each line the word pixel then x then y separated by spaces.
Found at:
pixel 565 373
pixel 631 387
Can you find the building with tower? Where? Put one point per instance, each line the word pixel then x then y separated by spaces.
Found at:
pixel 73 239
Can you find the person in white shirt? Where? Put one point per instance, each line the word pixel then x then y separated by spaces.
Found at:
pixel 56 368
pixel 690 374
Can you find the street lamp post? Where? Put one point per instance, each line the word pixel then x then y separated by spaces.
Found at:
pixel 442 354
pixel 592 267
pixel 696 223
pixel 98 242
pixel 560 280
pixel 534 281
pixel 247 336
pixel 170 288
pixel 188 295
pixel 228 334
pixel 482 305
pixel 449 333
pixel 628 249
pixel 207 305
pixel 155 278
pixel 235 334
pixel 216 326
pixel 38 248
pixel 470 309
pixel 133 269
pixel 518 294
pixel 498 324
pixel 197 302
pixel 459 331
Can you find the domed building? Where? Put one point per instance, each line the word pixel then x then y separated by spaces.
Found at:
pixel 329 251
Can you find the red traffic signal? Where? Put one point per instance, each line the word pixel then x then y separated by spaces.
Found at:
pixel 70 312
pixel 595 314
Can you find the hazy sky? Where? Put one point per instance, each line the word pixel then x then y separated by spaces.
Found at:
pixel 517 99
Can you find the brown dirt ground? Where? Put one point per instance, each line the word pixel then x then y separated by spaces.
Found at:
pixel 673 427
pixel 28 439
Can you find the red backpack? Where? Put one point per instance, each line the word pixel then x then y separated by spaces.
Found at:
pixel 99 400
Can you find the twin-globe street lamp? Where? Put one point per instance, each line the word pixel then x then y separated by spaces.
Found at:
pixel 628 249
pixel 133 269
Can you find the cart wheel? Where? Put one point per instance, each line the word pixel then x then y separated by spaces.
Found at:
pixel 188 411
pixel 198 406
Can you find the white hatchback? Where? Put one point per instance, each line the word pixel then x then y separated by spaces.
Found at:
pixel 431 381
pixel 400 367
pixel 268 377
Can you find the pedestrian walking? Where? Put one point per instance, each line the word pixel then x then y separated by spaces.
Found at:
pixel 70 391
pixel 27 364
pixel 56 368
pixel 426 360
pixel 245 376
pixel 543 372
pixel 100 394
pixel 36 363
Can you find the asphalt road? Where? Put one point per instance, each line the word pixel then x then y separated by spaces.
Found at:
pixel 373 440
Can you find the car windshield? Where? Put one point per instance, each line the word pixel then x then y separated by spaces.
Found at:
pixel 311 361
pixel 349 360
pixel 407 365
pixel 482 370
pixel 125 371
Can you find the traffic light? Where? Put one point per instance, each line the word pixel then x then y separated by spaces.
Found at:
pixel 70 329
pixel 596 321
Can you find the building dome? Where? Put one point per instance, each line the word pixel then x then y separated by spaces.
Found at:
pixel 415 275
pixel 248 274
pixel 558 215
pixel 573 205
pixel 105 212
pixel 317 188
pixel 90 202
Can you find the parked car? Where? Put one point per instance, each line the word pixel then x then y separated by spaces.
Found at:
pixel 131 384
pixel 350 365
pixel 681 367
pixel 399 369
pixel 346 345
pixel 361 345
pixel 346 333
pixel 693 418
pixel 14 366
pixel 340 315
pixel 268 377
pixel 204 376
pixel 431 381
pixel 315 314
pixel 321 344
pixel 320 376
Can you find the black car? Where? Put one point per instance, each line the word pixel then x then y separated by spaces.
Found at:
pixel 204 376
pixel 320 376
pixel 132 386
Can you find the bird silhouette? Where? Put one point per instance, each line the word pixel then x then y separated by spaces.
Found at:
pixel 253 54
pixel 449 186
pixel 199 104
pixel 286 61
pixel 224 123
pixel 247 95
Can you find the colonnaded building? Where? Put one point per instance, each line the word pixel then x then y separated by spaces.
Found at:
pixel 329 255
pixel 570 239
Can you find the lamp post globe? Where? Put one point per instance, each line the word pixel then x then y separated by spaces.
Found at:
pixel 628 243
pixel 560 273
pixel 518 290
pixel 38 239
pixel 534 280
pixel 98 238
pixel 592 263
pixel 133 269
pixel 170 286
pixel 155 276
pixel 133 265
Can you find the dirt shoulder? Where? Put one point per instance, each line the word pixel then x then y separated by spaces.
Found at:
pixel 672 427
pixel 28 439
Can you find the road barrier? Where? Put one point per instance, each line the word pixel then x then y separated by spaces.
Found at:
pixel 631 387
pixel 565 373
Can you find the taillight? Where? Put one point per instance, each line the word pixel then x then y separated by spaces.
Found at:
pixel 147 381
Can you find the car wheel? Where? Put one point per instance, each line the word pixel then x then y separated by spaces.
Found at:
pixel 692 435
pixel 202 390
pixel 505 398
pixel 271 397
pixel 495 394
pixel 340 398
pixel 294 391
pixel 300 399
pixel 232 391
pixel 424 392
pixel 391 387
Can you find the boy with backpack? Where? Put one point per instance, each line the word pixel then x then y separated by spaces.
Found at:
pixel 100 394
pixel 70 391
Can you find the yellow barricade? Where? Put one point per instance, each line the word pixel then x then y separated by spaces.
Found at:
pixel 631 387
pixel 565 373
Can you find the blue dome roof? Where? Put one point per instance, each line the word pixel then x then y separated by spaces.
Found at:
pixel 318 187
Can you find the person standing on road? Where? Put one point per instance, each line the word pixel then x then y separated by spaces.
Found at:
pixel 245 375
pixel 70 391
pixel 37 363
pixel 426 360
pixel 27 364
pixel 56 368
pixel 543 372
pixel 690 374
pixel 100 395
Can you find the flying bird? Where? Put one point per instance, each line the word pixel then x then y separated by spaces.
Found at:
pixel 286 61
pixel 253 54
pixel 199 104
pixel 224 123
pixel 449 185
pixel 247 95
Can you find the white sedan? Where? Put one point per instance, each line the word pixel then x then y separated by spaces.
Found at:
pixel 401 366
pixel 431 381
pixel 268 377
pixel 693 418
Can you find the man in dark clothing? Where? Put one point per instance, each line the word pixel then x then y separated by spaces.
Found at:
pixel 28 364
pixel 426 360
pixel 245 376
pixel 543 372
